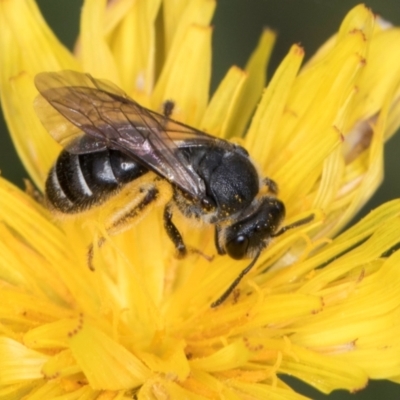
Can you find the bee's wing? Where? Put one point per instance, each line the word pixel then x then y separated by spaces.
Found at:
pixel 57 103
pixel 111 119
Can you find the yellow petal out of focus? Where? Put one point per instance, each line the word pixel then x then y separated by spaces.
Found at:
pixel 319 305
pixel 41 52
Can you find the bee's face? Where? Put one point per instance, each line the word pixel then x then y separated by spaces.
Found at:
pixel 247 237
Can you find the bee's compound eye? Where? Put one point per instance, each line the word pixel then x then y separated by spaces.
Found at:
pixel 237 247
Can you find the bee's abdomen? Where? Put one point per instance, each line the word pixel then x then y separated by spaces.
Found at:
pixel 79 181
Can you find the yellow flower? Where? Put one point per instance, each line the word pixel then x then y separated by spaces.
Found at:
pixel 320 307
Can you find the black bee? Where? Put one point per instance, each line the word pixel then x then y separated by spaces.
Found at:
pixel 110 140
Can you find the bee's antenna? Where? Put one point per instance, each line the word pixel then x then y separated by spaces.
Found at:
pixel 236 282
pixel 294 225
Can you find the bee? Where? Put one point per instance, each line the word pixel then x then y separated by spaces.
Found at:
pixel 109 141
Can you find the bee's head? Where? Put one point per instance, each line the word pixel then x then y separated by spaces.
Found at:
pixel 249 234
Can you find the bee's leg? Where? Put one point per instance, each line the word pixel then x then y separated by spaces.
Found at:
pixel 294 225
pixel 123 221
pixel 220 250
pixel 271 185
pixel 173 232
pixel 235 283
pixel 176 237
pixel 168 108
pixel 151 194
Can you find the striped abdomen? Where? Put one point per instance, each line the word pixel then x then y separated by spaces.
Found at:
pixel 78 181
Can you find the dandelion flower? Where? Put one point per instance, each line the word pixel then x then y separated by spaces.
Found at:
pixel 319 305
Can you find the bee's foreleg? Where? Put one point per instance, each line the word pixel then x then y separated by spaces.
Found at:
pixel 173 232
pixel 220 250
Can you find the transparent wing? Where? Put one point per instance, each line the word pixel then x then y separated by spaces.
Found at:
pixel 81 105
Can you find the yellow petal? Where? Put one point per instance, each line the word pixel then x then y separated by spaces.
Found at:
pixel 185 78
pixel 94 51
pixel 230 357
pixel 133 45
pixel 373 175
pixel 169 359
pixel 263 128
pixel 256 69
pixel 51 335
pixel 380 75
pixel 179 15
pixel 319 128
pixel 221 110
pixel 12 369
pixel 106 364
pixel 323 372
pixel 158 388
pixel 60 365
pixel 24 53
pixel 265 392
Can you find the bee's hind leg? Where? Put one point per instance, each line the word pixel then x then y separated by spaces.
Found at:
pixel 118 225
pixel 173 233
